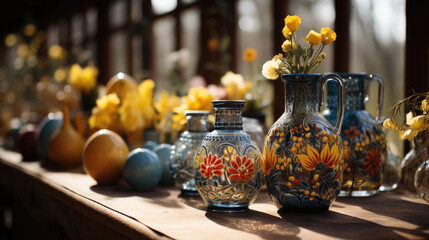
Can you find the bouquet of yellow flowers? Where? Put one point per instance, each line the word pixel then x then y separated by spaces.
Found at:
pixel 297 59
pixel 416 120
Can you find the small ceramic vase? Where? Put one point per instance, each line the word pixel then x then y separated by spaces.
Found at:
pixel 227 165
pixel 183 152
pixel 66 145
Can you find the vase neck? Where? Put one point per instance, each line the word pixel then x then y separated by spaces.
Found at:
pixel 197 121
pixel 302 93
pixel 228 115
pixel 66 116
pixel 354 87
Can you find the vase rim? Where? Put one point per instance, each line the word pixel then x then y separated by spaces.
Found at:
pixel 196 112
pixel 349 74
pixel 229 101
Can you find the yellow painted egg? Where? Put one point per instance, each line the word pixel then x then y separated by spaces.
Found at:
pixel 104 156
pixel 120 84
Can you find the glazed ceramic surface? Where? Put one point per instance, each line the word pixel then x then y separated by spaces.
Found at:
pixel 104 155
pixel 183 152
pixel 227 165
pixel 363 138
pixel 50 124
pixel 303 152
pixel 163 153
pixel 142 169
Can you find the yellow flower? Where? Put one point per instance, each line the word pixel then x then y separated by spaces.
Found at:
pixel 286 32
pixel 321 56
pixel 29 30
pixel 417 123
pixel 292 23
pixel 408 134
pixel 10 39
pixel 249 55
pixel 60 75
pixel 88 78
pixel 389 123
pixel 235 85
pixel 131 117
pixel 314 38
pixel 329 156
pixel 57 52
pixel 109 102
pixel 197 99
pixel 269 70
pixel 145 102
pixel 425 106
pixel 101 119
pixel 286 46
pixel 328 35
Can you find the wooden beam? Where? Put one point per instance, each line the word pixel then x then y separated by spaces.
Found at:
pixel 342 44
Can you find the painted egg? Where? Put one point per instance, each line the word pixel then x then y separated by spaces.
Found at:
pixel 151 145
pixel 26 143
pixel 50 124
pixel 142 170
pixel 163 152
pixel 104 155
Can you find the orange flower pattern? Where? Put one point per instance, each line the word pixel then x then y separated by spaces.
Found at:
pixel 329 156
pixel 373 161
pixel 242 169
pixel 211 166
pixel 352 132
pixel 269 160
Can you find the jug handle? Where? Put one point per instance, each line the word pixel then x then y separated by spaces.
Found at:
pixel 379 79
pixel 340 113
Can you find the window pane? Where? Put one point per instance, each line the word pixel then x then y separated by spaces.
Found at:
pixel 377 46
pixel 164 46
pixel 190 21
pixel 91 22
pixel 118 13
pixel 163 6
pixel 137 55
pixel 118 53
pixel 136 10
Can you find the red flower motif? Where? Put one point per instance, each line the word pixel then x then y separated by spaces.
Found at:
pixel 242 169
pixel 373 161
pixel 352 133
pixel 211 166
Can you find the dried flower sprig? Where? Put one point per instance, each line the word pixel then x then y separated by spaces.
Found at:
pixel 416 120
pixel 298 59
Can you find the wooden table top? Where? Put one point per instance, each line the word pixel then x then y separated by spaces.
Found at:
pixel 164 213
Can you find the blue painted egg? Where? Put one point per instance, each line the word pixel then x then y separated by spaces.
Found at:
pixel 47 128
pixel 142 169
pixel 163 152
pixel 151 145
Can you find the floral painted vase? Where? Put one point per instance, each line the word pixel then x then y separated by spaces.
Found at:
pixel 363 137
pixel 227 165
pixel 303 152
pixel 183 152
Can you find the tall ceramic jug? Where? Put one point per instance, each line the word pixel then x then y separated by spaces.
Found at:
pixel 363 138
pixel 303 151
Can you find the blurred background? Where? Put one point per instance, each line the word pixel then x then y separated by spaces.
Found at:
pixel 180 42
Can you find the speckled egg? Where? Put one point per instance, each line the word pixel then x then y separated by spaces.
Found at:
pixel 142 170
pixel 163 152
pixel 104 155
pixel 151 145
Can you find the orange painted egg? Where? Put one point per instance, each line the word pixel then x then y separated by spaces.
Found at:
pixel 104 156
pixel 120 84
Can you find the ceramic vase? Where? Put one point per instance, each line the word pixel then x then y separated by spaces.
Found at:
pixel 303 151
pixel 363 138
pixel 183 152
pixel 227 165
pixel 66 145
